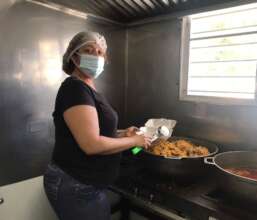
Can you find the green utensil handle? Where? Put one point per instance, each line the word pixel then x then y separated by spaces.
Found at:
pixel 135 150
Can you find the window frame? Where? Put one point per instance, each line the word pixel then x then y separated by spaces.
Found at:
pixel 184 69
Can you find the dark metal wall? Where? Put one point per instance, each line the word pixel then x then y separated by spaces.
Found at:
pixel 33 39
pixel 153 91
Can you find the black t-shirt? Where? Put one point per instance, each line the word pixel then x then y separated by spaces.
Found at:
pixel 89 169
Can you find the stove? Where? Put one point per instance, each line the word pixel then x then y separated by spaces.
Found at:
pixel 169 199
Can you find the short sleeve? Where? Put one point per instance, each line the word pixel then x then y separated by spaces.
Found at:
pixel 74 92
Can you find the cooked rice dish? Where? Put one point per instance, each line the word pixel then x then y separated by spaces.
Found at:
pixel 178 148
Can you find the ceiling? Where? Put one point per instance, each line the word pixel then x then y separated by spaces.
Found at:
pixel 126 11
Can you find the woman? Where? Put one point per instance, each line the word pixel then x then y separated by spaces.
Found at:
pixel 87 150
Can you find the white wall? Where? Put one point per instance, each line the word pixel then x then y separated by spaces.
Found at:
pixel 25 200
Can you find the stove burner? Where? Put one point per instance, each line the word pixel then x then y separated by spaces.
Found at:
pixel 199 200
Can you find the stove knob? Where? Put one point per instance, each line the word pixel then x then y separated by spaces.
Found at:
pixel 151 197
pixel 135 191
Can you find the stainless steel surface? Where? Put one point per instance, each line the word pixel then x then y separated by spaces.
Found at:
pixel 153 84
pixel 143 69
pixel 73 12
pixel 128 11
pixel 185 168
pixel 33 39
pixel 237 186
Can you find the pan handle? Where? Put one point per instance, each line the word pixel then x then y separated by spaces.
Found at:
pixel 209 160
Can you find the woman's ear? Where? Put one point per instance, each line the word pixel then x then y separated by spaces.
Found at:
pixel 76 58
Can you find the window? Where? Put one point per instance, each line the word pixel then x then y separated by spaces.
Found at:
pixel 219 56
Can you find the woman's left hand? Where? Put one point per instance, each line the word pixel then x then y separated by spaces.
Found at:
pixel 131 131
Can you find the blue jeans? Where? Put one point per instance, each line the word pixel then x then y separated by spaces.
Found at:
pixel 73 200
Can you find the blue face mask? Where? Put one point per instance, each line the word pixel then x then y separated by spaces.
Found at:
pixel 91 65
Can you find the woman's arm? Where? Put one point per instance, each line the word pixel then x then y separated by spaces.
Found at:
pixel 83 123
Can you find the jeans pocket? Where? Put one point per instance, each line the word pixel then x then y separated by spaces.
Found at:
pixel 52 182
pixel 86 192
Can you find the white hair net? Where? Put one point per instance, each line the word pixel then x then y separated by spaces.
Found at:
pixel 78 41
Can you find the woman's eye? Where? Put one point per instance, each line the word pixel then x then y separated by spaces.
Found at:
pixel 100 53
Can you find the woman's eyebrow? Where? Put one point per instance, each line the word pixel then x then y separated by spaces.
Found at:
pixel 88 46
pixel 92 47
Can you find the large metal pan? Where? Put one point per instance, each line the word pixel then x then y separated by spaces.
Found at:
pixel 186 168
pixel 235 185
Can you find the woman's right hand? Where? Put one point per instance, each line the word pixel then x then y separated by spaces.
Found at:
pixel 142 141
